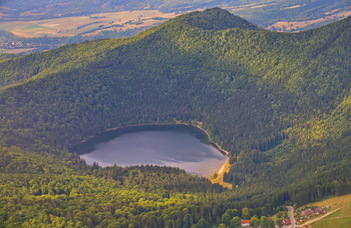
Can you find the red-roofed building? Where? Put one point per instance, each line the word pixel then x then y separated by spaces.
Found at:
pixel 287 222
pixel 245 222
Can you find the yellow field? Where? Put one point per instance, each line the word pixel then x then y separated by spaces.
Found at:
pixel 71 26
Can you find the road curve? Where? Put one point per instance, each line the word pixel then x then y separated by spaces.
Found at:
pixel 291 216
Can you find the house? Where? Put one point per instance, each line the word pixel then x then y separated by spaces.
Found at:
pixel 245 222
pixel 287 222
pixel 308 212
pixel 320 210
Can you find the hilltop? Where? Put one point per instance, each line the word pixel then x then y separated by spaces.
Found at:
pixel 40 25
pixel 278 102
pixel 215 19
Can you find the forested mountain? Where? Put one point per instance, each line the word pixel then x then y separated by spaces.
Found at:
pixel 43 25
pixel 279 102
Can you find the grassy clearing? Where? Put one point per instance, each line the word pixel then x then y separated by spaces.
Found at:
pixel 334 202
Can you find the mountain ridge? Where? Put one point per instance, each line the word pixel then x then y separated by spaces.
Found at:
pixel 184 19
pixel 230 21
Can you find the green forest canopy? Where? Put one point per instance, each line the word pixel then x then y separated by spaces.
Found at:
pixel 278 102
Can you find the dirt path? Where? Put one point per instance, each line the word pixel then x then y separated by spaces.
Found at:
pixel 309 222
pixel 220 175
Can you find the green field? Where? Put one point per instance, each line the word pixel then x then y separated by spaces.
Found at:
pixel 340 218
pixel 337 222
pixel 34 27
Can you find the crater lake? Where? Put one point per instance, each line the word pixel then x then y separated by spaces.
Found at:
pixel 183 146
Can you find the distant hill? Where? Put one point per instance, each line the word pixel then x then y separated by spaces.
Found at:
pixel 261 12
pixel 77 21
pixel 279 102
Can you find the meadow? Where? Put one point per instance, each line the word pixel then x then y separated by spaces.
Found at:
pixel 340 218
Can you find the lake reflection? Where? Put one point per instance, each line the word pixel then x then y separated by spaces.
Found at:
pixel 176 149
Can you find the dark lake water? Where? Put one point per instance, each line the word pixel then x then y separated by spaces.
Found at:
pixel 166 148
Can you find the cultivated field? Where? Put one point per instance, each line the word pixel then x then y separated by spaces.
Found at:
pixel 300 25
pixel 86 25
pixel 15 51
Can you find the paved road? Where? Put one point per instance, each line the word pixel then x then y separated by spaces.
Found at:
pixel 291 216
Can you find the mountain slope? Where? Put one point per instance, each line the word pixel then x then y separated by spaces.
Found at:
pixel 272 99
